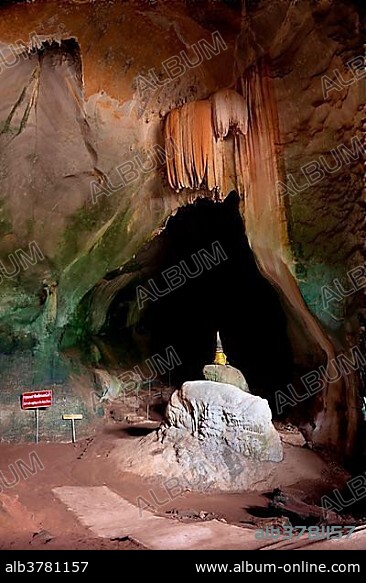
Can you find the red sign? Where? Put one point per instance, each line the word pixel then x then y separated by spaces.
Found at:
pixel 36 399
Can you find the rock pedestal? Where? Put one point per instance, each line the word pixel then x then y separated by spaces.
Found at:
pixel 214 437
pixel 220 415
pixel 225 374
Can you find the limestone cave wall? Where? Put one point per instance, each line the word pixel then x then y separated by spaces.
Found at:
pixel 87 93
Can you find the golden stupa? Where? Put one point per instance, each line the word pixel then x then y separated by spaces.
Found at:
pixel 220 356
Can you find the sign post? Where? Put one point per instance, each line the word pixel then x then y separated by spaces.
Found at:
pixel 72 418
pixel 37 424
pixel 37 400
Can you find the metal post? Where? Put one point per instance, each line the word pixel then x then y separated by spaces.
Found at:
pixel 37 424
pixel 148 401
pixel 73 430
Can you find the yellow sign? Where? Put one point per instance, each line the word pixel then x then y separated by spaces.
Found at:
pixel 71 417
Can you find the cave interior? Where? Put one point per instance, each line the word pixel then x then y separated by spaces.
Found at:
pixel 230 296
pixel 166 174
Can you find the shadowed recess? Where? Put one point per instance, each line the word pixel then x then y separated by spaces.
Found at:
pixel 229 295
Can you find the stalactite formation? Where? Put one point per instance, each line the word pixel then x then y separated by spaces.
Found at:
pixel 204 143
pixel 229 112
pixel 189 138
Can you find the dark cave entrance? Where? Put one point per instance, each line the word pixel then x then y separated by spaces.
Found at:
pixel 228 294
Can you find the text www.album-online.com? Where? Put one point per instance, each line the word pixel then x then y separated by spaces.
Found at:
pixel 301 567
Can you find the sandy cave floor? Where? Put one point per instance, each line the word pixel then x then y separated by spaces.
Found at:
pixel 32 517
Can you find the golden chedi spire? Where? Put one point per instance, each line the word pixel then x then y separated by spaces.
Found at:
pixel 220 356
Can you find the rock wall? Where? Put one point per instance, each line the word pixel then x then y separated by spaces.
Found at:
pixel 318 82
pixel 83 183
pixel 73 393
pixel 72 113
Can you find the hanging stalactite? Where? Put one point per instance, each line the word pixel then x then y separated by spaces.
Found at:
pixel 229 112
pixel 200 143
